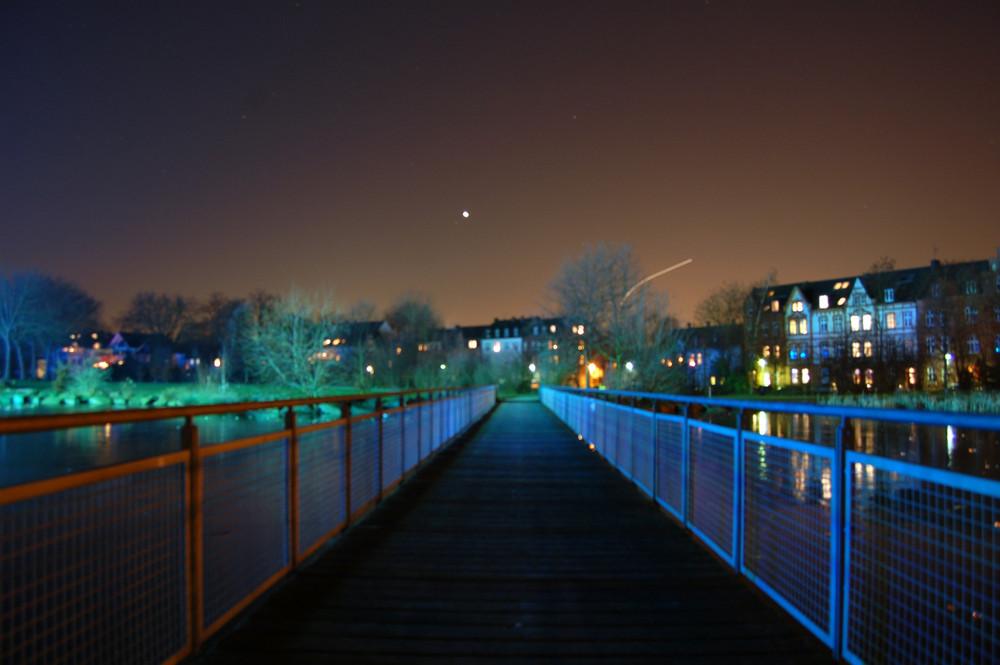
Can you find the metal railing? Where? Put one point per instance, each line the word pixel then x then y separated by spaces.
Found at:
pixel 140 562
pixel 885 561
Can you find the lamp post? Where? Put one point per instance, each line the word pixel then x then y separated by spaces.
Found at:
pixel 947 359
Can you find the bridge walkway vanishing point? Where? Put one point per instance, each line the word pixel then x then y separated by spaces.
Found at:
pixel 517 544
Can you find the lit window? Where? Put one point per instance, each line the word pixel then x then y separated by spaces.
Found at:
pixel 869 377
pixel 777 351
pixel 824 350
pixel 868 349
pixel 866 322
pixel 473 344
pixel 855 323
pixel 890 321
pixel 552 328
pixel 911 375
pixel 805 375
pixel 767 351
pixel 699 358
pixel 497 347
pixel 797 306
pixel 856 349
pixel 824 301
pixel 793 327
pixel 803 327
pixel 972 344
pixel 857 377
pixel 775 306
pixel 840 303
pixel 795 375
pixel 793 352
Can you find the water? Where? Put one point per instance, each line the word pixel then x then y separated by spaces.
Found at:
pixel 39 455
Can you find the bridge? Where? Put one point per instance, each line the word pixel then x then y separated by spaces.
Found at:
pixel 591 527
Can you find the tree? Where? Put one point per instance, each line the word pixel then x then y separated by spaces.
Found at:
pixel 591 293
pixel 415 323
pixel 161 315
pixel 38 310
pixel 286 342
pixel 725 305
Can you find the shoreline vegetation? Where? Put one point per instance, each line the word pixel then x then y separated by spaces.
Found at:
pixel 21 397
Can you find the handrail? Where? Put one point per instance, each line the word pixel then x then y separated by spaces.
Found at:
pixel 42 422
pixel 954 418
pixel 882 558
pixel 151 557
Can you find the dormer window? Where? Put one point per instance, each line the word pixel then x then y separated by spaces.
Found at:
pixel 890 295
pixel 797 306
pixel 824 302
pixel 775 306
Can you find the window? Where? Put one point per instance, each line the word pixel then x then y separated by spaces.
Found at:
pixel 868 349
pixel 856 349
pixel 945 344
pixel 972 287
pixel 823 324
pixel 931 346
pixel 777 351
pixel 936 290
pixel 907 319
pixel 972 345
pixel 911 375
pixel 767 351
pixel 803 327
pixel 866 322
pixel 855 323
pixel 793 327
pixel 910 347
pixel 931 374
pixel 838 323
pixel 890 295
pixel 929 319
pixel 869 377
pixel 971 314
pixel 797 306
pixel 996 344
pixel 857 377
pixel 943 318
pixel 824 302
pixel 824 375
pixel 890 321
pixel 824 350
pixel 775 306
pixel 473 344
pixel 795 375
pixel 497 347
pixel 805 375
pixel 996 313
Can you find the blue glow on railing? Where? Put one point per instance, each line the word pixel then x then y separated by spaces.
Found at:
pixel 884 560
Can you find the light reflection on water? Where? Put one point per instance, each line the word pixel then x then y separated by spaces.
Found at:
pixel 36 456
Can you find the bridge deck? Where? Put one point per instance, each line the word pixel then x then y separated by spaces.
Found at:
pixel 517 544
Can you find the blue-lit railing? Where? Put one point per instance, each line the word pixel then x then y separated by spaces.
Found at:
pixel 141 562
pixel 886 561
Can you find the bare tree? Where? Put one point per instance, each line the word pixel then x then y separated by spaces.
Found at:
pixel 285 342
pixel 725 305
pixel 415 323
pixel 159 314
pixel 593 294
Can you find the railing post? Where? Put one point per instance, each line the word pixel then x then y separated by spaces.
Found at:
pixel 739 488
pixel 195 520
pixel 345 412
pixel 631 463
pixel 686 465
pixel 838 548
pixel 655 457
pixel 378 416
pixel 291 424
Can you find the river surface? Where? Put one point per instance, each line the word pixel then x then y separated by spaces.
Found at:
pixel 36 456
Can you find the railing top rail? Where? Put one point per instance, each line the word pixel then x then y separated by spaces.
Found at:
pixel 907 416
pixel 37 423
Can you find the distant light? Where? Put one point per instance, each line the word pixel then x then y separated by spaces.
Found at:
pixel 370 369
pixel 217 362
pixel 629 366
pixel 531 367
pixel 473 343
pixel 465 213
pixel 443 366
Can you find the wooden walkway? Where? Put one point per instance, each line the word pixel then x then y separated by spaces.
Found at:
pixel 517 545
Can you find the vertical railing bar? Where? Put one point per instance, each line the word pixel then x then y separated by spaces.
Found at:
pixel 632 444
pixel 195 519
pixel 686 465
pixel 346 414
pixel 655 457
pixel 838 547
pixel 291 424
pixel 739 497
pixel 402 436
pixel 378 416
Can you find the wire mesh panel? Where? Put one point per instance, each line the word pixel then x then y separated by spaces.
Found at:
pixel 642 450
pixel 96 574
pixel 711 493
pixel 623 439
pixel 411 438
pixel 923 564
pixel 787 527
pixel 670 463
pixel 322 485
pixel 245 534
pixel 364 463
pixel 392 448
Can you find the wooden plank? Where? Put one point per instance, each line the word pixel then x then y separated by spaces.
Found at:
pixel 518 544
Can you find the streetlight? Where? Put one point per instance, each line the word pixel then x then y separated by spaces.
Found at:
pixel 947 359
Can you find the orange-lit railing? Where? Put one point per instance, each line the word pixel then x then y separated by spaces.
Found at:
pixel 140 562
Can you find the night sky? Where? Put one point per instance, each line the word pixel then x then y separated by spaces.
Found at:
pixel 195 147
